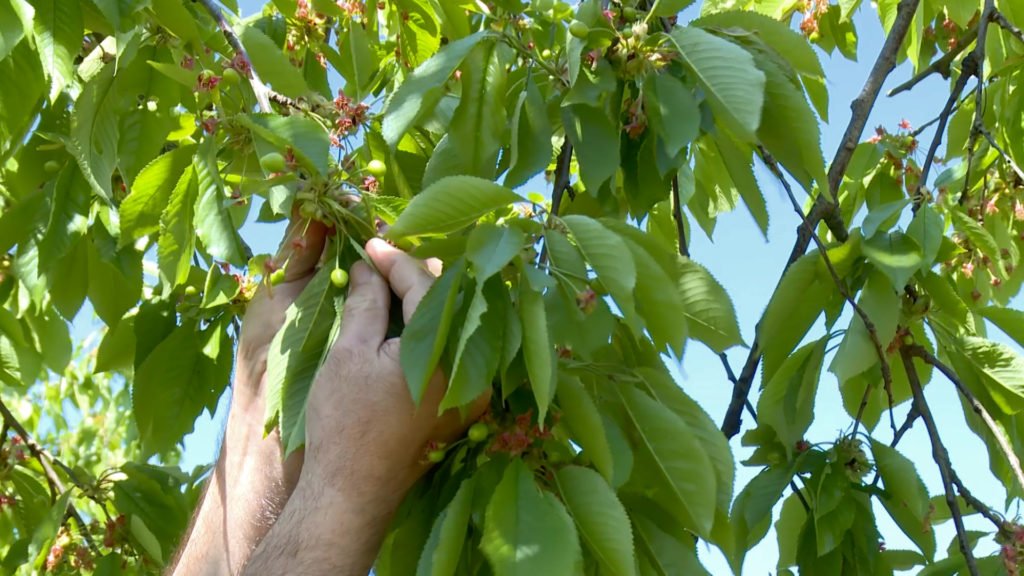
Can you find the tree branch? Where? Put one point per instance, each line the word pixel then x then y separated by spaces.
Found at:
pixel 992 142
pixel 941 458
pixel 1004 444
pixel 943 118
pixel 263 94
pixel 824 208
pixel 940 66
pixel 1000 19
pixel 561 176
pixel 979 93
pixel 677 215
pixel 45 459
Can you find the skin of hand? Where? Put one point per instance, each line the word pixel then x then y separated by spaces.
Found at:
pixel 250 484
pixel 365 439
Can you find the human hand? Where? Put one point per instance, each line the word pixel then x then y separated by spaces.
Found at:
pixel 363 431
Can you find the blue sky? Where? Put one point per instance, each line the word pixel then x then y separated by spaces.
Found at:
pixel 749 266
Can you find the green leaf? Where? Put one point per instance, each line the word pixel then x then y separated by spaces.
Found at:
pixel 736 160
pixel 58 34
pixel 906 498
pixel 609 256
pixel 358 64
pixel 583 420
pixel 787 401
pixel 538 353
pixel 665 552
pixel 530 149
pixel 424 336
pixel 790 130
pixel 177 240
pixel 676 469
pixel 927 229
pixel 883 217
pixel 896 255
pixel 419 33
pixel 115 280
pixel 304 136
pixel 672 111
pixel 600 519
pixel 1006 319
pixel 1000 369
pixel 22 87
pixel 476 132
pixel 752 512
pixel 527 532
pixel 710 316
pixel 441 554
pixel 796 303
pixel 669 7
pixel 595 142
pixel 978 236
pixel 214 226
pixel 150 193
pixel 663 388
pixel 94 131
pixel 176 18
pixel 271 64
pixel 119 12
pixel 171 387
pixel 450 204
pixel 296 354
pixel 789 44
pixel 857 352
pixel 479 349
pixel 423 88
pixel 726 72
pixel 659 302
pixel 15 18
pixel 490 248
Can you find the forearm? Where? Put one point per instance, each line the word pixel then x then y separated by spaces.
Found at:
pixel 243 497
pixel 324 531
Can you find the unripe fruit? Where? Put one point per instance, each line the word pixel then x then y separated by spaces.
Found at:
pixel 191 291
pixel 629 13
pixel 478 432
pixel 579 29
pixel 272 162
pixel 377 168
pixel 545 54
pixel 339 278
pixel 51 166
pixel 151 105
pixel 307 210
pixel 277 277
pixel 435 456
pixel 231 76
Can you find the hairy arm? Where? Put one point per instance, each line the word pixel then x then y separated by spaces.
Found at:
pixel 250 484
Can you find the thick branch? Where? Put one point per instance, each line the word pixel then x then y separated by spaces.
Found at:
pixel 824 208
pixel 940 66
pixel 941 458
pixel 677 215
pixel 258 87
pixel 45 459
pixel 1004 444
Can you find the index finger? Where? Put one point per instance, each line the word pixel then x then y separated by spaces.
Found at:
pixel 409 278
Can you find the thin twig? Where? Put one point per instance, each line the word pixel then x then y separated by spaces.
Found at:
pixel 825 208
pixel 45 459
pixel 868 324
pixel 1000 19
pixel 561 185
pixel 940 66
pixel 1004 444
pixel 941 457
pixel 677 215
pixel 985 510
pixel 943 118
pixel 258 87
pixel 992 142
pixel 979 93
